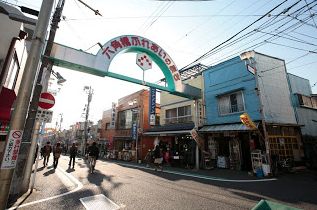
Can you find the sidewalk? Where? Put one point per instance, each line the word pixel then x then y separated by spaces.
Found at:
pixel 52 183
pixel 49 183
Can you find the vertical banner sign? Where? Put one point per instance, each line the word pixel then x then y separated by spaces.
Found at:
pixel 134 131
pixel 113 115
pixel 199 141
pixel 152 106
pixel 12 149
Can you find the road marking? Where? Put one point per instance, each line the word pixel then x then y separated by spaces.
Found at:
pixel 202 176
pixel 99 202
pixel 69 176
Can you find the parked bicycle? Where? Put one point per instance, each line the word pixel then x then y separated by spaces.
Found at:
pixel 286 165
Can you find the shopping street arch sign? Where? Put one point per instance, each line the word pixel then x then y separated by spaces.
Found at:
pixel 99 64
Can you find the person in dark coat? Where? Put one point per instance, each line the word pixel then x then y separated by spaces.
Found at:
pixel 72 155
pixel 158 159
pixel 47 153
pixel 57 153
pixel 93 154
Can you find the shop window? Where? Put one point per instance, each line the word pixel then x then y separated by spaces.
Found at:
pixel 178 115
pixel 13 73
pixel 231 103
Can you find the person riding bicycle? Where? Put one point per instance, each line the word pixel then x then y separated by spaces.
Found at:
pixel 93 154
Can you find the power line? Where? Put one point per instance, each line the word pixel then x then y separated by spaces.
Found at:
pixel 162 12
pixel 300 41
pixel 256 45
pixel 296 48
pixel 205 22
pixel 143 25
pixel 236 34
pixel 311 14
pixel 306 64
pixel 235 41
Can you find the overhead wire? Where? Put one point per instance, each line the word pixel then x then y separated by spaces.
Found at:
pixel 255 46
pixel 159 14
pixel 205 22
pixel 266 24
pixel 245 28
pixel 311 13
pixel 232 24
pixel 259 44
pixel 151 16
pixel 228 44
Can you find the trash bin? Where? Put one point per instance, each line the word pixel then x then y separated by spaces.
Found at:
pixel 268 205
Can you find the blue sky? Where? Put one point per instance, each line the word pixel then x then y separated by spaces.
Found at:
pixel 184 29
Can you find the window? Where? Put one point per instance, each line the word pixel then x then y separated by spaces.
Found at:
pixel 307 101
pixel 178 115
pixel 126 119
pixel 12 73
pixel 231 103
pixel 107 126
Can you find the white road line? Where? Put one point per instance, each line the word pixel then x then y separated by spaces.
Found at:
pixel 202 176
pixel 71 178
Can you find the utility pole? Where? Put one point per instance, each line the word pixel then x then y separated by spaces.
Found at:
pixel 8 163
pixel 90 91
pixel 23 172
pixel 249 56
pixel 41 86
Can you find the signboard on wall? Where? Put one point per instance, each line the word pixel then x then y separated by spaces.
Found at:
pixel 113 115
pixel 134 131
pixel 152 105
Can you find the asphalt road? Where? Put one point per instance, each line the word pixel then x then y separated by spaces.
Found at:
pixel 138 188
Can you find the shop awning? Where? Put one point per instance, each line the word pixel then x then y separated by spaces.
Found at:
pixel 162 133
pixel 225 127
pixel 123 138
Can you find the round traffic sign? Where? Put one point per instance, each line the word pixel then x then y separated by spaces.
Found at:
pixel 46 101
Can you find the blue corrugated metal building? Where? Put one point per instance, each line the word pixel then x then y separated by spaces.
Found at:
pixel 258 83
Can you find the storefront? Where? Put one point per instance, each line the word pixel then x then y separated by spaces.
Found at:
pixel 285 142
pixel 230 146
pixel 123 148
pixel 176 141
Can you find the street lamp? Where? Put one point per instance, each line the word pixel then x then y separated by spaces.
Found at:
pixel 59 77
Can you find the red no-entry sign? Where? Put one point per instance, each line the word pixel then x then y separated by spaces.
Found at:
pixel 46 101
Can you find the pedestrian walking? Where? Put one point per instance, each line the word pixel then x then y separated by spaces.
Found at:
pixel 57 153
pixel 72 155
pixel 93 154
pixel 158 159
pixel 148 158
pixel 42 152
pixel 47 152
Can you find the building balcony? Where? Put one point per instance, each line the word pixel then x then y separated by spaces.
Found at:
pixel 181 119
